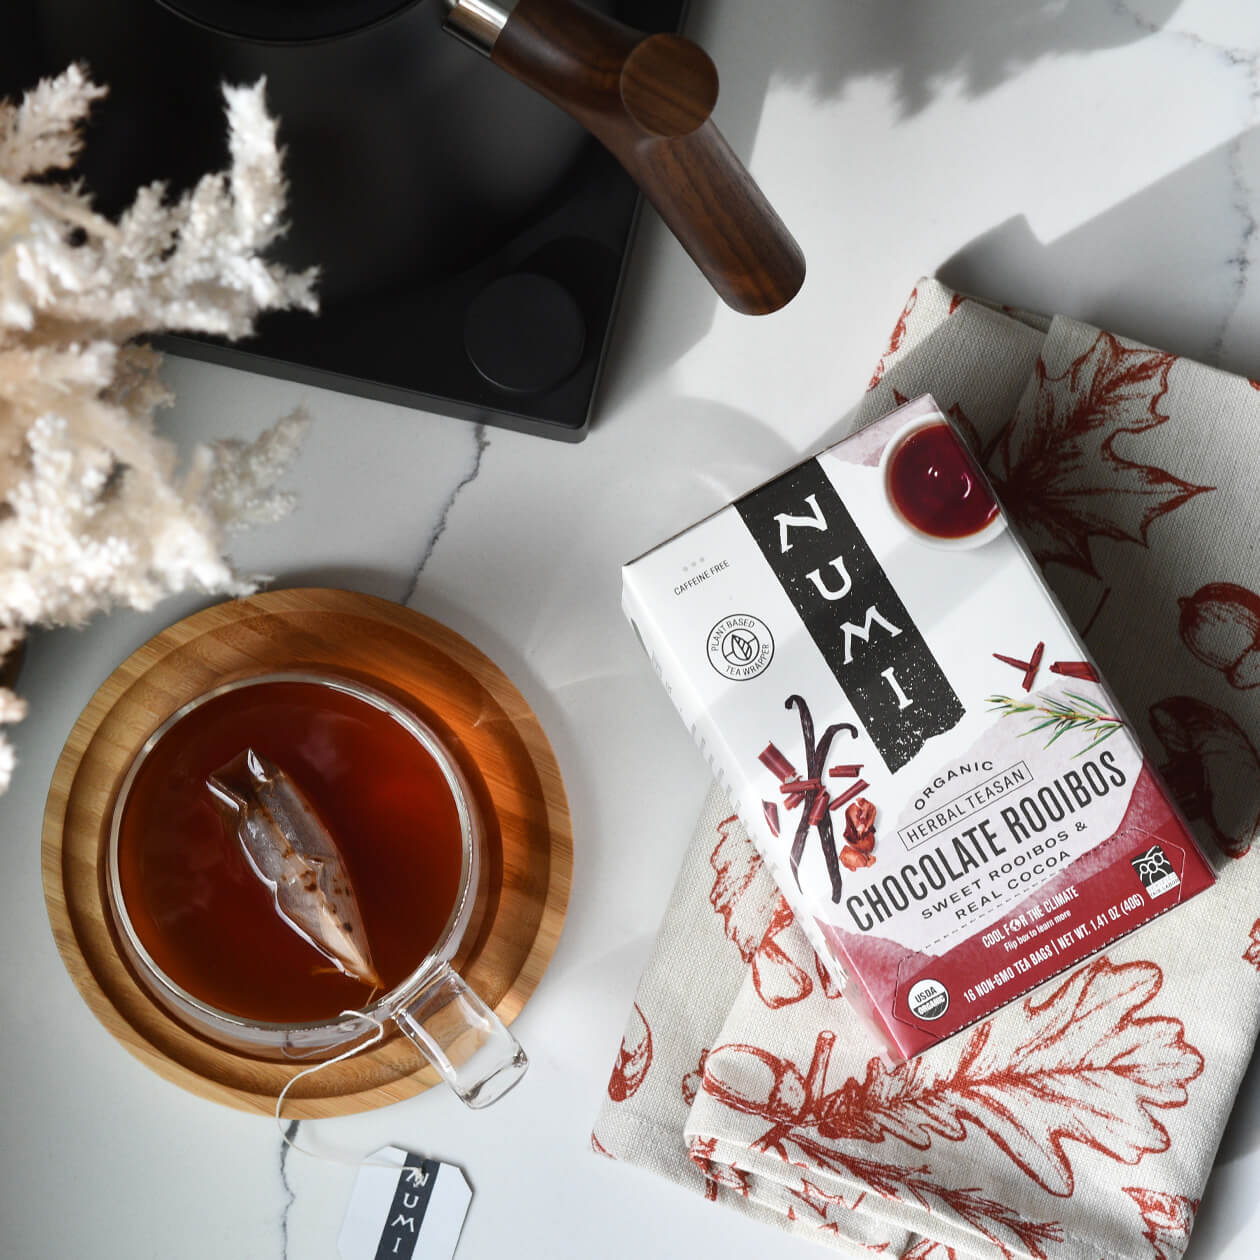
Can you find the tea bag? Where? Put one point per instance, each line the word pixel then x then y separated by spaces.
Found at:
pixel 292 852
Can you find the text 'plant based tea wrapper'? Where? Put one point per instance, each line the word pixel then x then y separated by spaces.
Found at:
pixel 912 733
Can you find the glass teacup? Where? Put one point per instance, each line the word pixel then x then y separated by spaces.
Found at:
pixel 159 805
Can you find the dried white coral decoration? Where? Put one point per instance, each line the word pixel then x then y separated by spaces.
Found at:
pixel 95 511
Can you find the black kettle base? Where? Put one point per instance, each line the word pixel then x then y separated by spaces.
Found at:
pixel 506 327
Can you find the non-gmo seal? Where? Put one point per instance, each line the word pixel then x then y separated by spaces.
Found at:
pixel 928 999
pixel 740 647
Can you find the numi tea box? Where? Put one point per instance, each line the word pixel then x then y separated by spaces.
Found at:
pixel 929 764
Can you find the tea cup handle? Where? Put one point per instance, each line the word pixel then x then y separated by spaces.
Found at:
pixel 463 1039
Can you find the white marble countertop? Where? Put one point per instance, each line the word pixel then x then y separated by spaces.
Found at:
pixel 1097 159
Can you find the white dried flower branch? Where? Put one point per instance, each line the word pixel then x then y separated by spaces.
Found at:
pixel 43 133
pixel 95 511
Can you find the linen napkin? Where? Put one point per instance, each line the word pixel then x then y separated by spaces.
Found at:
pixel 1081 1121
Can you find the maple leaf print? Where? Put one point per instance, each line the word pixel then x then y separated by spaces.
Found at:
pixel 756 918
pixel 600 1149
pixel 1088 1068
pixel 980 445
pixel 1252 953
pixel 1168 1219
pixel 1058 471
pixel 633 1059
pixel 894 342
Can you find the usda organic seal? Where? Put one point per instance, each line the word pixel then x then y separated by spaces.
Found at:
pixel 740 647
pixel 928 999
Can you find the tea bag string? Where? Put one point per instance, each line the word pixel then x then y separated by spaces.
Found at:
pixel 373 1040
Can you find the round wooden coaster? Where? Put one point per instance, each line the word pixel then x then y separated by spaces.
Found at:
pixel 464 695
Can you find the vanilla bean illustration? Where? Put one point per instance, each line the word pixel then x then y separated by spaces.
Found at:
pixel 813 797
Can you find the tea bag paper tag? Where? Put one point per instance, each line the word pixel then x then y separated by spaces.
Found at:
pixel 415 1213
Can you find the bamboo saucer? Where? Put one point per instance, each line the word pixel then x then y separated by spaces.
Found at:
pixel 462 693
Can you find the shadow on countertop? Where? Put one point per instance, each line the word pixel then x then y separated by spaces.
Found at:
pixel 925 48
pixel 1181 246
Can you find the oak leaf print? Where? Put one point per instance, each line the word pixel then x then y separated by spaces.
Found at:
pixel 1168 1219
pixel 1088 1068
pixel 797 1107
pixel 1058 470
pixel 633 1059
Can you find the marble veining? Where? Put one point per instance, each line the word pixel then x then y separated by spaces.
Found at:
pixel 482 440
pixel 286 1148
pixel 1241 193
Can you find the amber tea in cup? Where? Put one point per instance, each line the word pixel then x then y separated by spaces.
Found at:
pixel 206 931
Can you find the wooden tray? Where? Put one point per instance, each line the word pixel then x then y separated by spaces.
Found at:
pixel 501 747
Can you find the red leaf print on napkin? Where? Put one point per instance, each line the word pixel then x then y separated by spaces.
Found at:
pixel 693 1080
pixel 894 342
pixel 1252 953
pixel 633 1059
pixel 827 1206
pixel 754 1081
pixel 1087 1068
pixel 701 1154
pixel 930 1249
pixel 1012 1234
pixel 755 917
pixel 1168 1217
pixel 1060 474
pixel 1213 770
pixel 981 445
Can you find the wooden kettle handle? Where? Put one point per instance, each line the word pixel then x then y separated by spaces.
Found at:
pixel 648 99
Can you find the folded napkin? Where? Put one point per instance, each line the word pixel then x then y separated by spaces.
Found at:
pixel 1082 1120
